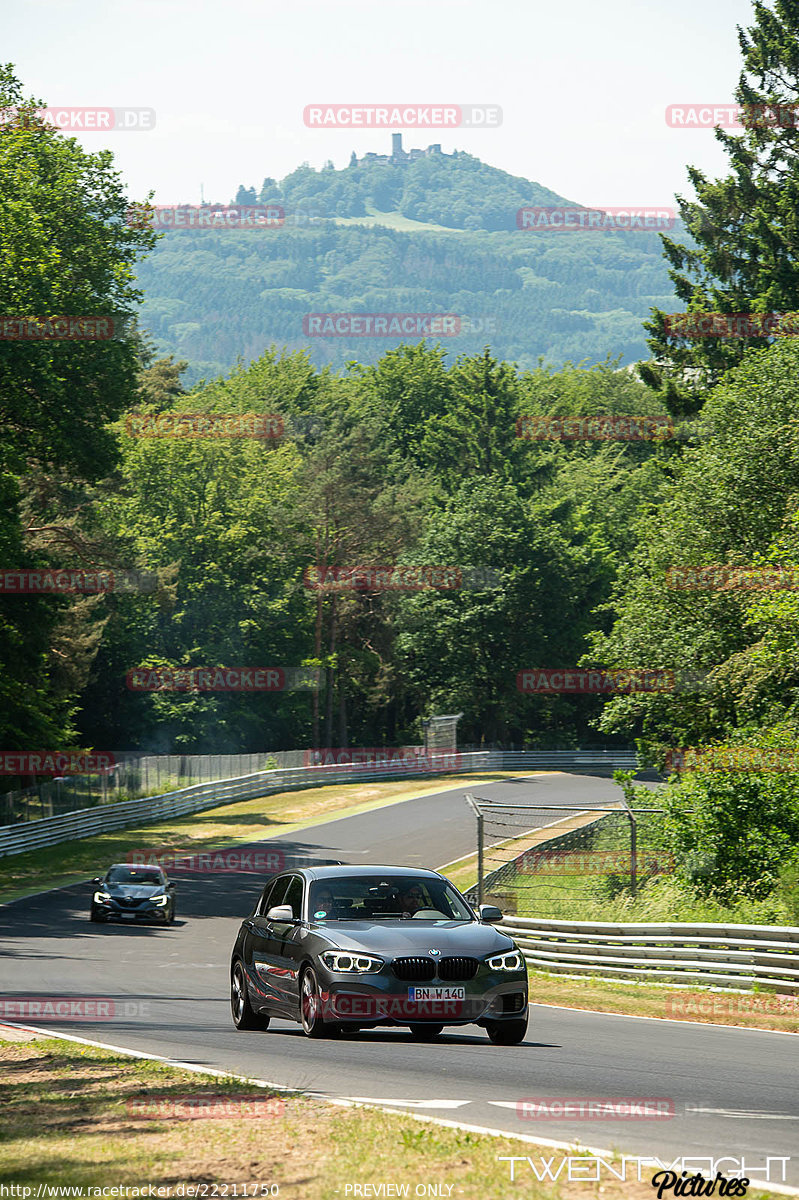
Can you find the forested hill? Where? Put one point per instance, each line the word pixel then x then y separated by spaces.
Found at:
pixel 456 190
pixel 437 235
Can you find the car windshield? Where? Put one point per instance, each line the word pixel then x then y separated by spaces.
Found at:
pixel 131 875
pixel 377 898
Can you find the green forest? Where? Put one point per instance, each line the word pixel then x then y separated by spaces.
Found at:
pixel 411 458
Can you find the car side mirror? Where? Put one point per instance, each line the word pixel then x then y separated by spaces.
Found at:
pixel 97 879
pixel 490 913
pixel 281 912
pixel 171 886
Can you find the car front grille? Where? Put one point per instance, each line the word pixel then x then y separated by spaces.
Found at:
pixel 414 969
pixel 418 969
pixel 125 902
pixel 457 967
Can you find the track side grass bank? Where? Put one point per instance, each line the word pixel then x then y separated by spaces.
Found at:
pixel 81 1117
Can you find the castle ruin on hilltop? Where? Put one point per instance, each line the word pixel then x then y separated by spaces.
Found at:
pixel 398 156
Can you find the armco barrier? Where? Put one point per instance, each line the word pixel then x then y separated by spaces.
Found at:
pixel 15 839
pixel 563 760
pixel 735 956
pixel 49 831
pixel 136 775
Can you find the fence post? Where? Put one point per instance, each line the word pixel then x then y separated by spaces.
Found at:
pixel 624 780
pixel 470 800
pixel 479 859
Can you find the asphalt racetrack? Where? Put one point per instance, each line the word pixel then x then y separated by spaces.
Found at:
pixel 734 1091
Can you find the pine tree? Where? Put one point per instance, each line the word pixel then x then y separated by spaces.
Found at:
pixel 745 227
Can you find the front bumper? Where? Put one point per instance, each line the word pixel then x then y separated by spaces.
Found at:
pixel 382 999
pixel 142 910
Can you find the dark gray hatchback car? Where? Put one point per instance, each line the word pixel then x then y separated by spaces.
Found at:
pixel 344 948
pixel 127 893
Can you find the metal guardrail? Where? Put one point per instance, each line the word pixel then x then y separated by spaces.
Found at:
pixel 106 818
pixel 49 831
pixel 735 956
pixel 136 775
pixel 566 760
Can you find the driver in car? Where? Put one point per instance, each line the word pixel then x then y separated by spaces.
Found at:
pixel 411 900
pixel 324 903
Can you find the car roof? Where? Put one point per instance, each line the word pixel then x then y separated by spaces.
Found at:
pixel 138 866
pixel 343 871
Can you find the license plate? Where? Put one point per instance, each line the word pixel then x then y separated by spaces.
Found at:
pixel 128 916
pixel 437 993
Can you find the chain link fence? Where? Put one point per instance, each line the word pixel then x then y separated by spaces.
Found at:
pixel 133 776
pixel 544 861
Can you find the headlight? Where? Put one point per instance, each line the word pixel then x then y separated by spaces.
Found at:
pixel 510 961
pixel 159 899
pixel 355 964
pixel 101 897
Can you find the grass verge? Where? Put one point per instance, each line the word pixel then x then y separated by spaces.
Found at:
pixel 70 1120
pixel 231 824
pixel 746 1010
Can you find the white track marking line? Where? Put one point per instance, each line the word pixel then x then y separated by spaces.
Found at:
pixel 301 828
pixel 409 1103
pixel 749 1116
pixel 689 1108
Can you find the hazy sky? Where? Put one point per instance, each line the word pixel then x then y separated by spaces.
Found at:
pixel 583 85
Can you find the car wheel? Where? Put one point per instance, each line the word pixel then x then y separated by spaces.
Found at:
pixel 507 1033
pixel 96 916
pixel 170 917
pixel 311 1008
pixel 425 1033
pixel 244 1017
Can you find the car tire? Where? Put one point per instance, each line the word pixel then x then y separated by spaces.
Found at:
pixel 170 917
pixel 313 1025
pixel 97 917
pixel 507 1033
pixel 244 1016
pixel 425 1033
